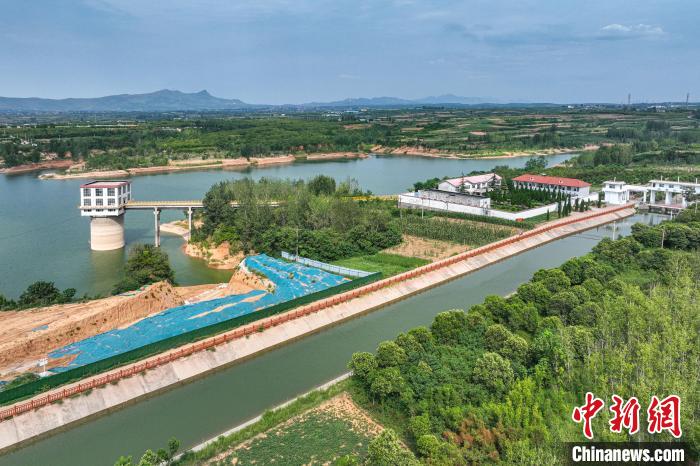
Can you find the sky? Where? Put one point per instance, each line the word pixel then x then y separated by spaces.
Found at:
pixel 294 51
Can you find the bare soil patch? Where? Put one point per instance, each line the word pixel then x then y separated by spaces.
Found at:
pixel 429 249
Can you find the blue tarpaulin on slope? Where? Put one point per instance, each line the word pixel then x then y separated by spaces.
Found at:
pixel 291 280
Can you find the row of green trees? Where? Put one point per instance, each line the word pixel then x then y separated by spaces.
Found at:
pixel 525 198
pixel 40 293
pixel 498 383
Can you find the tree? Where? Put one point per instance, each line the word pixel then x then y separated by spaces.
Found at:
pixel 146 264
pixel 149 458
pixel 562 303
pixel 428 446
pixel 535 293
pixel 390 354
pixel 124 461
pixel 322 185
pixel 386 450
pixel 536 164
pixel 553 279
pixel 166 456
pixel 363 366
pixel 493 372
pixel 6 304
pixel 44 294
pixel 449 327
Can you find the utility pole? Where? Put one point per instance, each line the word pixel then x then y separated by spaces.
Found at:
pixel 663 236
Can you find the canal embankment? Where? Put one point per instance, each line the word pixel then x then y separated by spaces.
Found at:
pixel 108 391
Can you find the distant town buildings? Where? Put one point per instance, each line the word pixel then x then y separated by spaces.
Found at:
pixel 477 184
pixel 570 186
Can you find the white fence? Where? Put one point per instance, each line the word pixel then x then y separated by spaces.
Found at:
pixel 325 266
pixel 411 200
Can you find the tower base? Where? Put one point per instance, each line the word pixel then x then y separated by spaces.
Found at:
pixel 107 233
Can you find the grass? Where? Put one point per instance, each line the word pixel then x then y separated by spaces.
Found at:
pixel 387 264
pixel 269 420
pixel 314 438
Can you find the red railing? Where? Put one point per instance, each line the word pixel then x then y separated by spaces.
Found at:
pixel 269 322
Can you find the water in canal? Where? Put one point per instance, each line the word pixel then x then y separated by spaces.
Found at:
pixel 206 407
pixel 43 237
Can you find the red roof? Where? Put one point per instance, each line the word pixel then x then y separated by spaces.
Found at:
pixel 551 180
pixel 104 184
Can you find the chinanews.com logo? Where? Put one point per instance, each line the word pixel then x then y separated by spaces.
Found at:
pixel 662 415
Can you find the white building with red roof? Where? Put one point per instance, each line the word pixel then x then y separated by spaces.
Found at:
pixel 476 184
pixel 570 186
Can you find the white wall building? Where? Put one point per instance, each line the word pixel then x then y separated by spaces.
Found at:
pixel 615 192
pixel 675 193
pixel 570 186
pixel 477 184
pixel 104 198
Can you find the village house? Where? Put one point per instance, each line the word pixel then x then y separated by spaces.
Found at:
pixel 570 186
pixel 477 184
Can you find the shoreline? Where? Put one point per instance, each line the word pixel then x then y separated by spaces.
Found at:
pixel 433 153
pixel 33 167
pixel 214 257
pixel 203 164
pixel 258 162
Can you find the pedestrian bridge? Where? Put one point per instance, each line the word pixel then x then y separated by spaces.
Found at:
pixel 186 206
pixel 150 205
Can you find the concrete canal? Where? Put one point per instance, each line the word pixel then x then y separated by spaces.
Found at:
pixel 201 409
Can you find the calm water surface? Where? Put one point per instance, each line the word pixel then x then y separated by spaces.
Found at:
pixel 43 237
pixel 208 406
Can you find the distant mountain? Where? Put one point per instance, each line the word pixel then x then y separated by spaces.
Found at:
pixel 163 100
pixel 169 100
pixel 455 99
pixel 446 99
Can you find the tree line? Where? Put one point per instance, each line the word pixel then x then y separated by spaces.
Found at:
pixel 498 383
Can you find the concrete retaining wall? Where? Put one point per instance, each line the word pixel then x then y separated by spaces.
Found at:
pixel 412 201
pixel 304 321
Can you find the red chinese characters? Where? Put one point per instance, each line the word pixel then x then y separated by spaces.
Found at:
pixel 587 412
pixel 624 415
pixel 665 415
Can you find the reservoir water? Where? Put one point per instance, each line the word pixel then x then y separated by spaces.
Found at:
pixel 202 409
pixel 43 237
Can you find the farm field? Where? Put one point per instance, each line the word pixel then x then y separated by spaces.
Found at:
pixel 334 429
pixel 154 140
pixel 387 264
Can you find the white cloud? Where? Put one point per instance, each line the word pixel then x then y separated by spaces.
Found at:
pixel 622 31
pixel 348 76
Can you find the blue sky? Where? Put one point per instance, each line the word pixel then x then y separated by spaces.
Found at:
pixel 292 51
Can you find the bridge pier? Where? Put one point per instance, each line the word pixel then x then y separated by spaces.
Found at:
pixel 156 215
pixel 189 222
pixel 107 233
